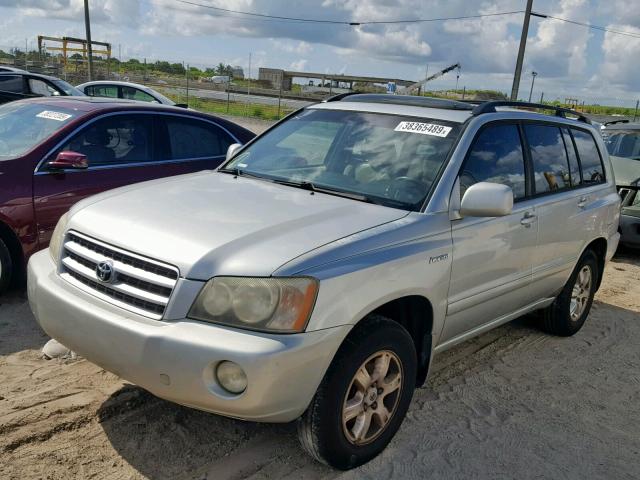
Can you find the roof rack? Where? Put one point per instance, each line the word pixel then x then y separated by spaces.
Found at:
pixel 409 100
pixel 490 107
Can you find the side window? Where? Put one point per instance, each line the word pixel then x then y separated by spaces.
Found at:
pixel 592 170
pixel 135 94
pixel 549 158
pixel 110 91
pixel 574 166
pixel 115 140
pixel 40 87
pixel 189 138
pixel 496 156
pixel 11 83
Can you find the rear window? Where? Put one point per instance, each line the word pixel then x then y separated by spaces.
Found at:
pixel 623 143
pixel 23 126
pixel 11 83
pixel 592 170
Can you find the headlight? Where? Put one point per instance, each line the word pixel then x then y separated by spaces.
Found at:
pixel 55 245
pixel 268 304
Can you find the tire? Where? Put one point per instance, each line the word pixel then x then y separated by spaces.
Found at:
pixel 6 267
pixel 321 431
pixel 565 317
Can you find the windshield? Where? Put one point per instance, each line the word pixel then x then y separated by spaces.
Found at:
pixel 385 159
pixel 23 126
pixel 67 88
pixel 623 143
pixel 162 98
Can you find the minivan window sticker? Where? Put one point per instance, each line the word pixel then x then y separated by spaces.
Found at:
pixel 59 116
pixel 423 128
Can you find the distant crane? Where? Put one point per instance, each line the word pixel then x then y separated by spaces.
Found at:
pixel 414 86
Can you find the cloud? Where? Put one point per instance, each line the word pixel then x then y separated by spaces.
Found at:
pixel 620 65
pixel 298 65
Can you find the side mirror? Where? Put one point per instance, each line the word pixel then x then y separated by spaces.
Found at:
pixel 233 149
pixel 486 199
pixel 181 105
pixel 69 160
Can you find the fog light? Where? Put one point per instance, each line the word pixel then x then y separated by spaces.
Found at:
pixel 231 377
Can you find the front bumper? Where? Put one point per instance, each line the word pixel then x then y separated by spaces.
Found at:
pixel 176 359
pixel 630 228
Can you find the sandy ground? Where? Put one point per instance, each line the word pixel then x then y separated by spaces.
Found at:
pixel 513 403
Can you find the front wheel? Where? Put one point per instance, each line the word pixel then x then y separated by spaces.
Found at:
pixel 363 397
pixel 568 312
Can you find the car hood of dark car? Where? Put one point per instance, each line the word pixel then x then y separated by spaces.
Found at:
pixel 626 170
pixel 211 223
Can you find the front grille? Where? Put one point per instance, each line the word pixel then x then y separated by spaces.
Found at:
pixel 137 284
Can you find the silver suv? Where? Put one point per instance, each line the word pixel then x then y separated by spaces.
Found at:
pixel 317 272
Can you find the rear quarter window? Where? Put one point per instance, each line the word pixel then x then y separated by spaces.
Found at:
pixel 589 155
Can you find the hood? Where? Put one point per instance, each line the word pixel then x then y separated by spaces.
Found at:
pixel 626 170
pixel 211 223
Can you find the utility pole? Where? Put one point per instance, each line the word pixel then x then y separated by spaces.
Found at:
pixel 533 80
pixel 635 114
pixel 87 26
pixel 523 44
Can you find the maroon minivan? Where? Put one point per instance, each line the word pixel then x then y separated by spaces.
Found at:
pixel 55 151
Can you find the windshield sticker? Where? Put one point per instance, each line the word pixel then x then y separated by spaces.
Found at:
pixel 60 117
pixel 423 128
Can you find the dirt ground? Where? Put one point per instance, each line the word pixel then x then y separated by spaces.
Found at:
pixel 513 403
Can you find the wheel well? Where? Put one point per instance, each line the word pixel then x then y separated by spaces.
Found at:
pixel 415 314
pixel 599 247
pixel 10 239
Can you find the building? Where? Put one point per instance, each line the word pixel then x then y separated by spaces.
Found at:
pixel 277 77
pixel 237 72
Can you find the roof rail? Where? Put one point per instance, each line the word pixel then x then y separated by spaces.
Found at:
pixel 490 107
pixel 408 100
pixel 338 97
pixel 613 122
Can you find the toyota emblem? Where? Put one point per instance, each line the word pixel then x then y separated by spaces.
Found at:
pixel 105 271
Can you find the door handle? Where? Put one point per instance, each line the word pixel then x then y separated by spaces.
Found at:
pixel 528 219
pixel 583 202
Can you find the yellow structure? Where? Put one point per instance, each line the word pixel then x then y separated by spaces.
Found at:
pixel 74 42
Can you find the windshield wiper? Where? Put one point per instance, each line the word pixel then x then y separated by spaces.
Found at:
pixel 312 187
pixel 241 173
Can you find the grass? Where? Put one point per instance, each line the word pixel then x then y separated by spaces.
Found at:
pixel 238 109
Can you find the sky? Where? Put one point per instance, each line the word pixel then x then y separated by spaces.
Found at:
pixel 571 61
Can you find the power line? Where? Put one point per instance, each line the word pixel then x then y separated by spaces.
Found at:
pixel 344 22
pixel 587 25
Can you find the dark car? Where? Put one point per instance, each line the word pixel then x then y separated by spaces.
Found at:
pixel 19 85
pixel 622 138
pixel 56 151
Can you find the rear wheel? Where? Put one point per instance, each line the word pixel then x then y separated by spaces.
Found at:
pixel 6 267
pixel 363 397
pixel 568 312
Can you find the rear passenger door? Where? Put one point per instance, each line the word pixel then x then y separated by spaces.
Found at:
pixel 492 256
pixel 195 143
pixel 562 193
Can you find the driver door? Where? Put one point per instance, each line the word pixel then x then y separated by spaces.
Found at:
pixel 492 256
